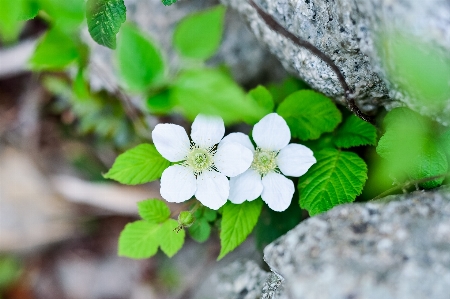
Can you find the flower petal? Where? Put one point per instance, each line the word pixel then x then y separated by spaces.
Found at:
pixel 271 132
pixel 171 141
pixel 295 160
pixel 178 183
pixel 246 186
pixel 277 191
pixel 207 130
pixel 232 159
pixel 212 189
pixel 240 138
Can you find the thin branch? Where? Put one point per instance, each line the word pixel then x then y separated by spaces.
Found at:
pixel 275 26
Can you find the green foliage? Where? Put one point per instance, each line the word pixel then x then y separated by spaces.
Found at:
pixel 198 35
pixel 168 2
pixel 355 132
pixel 153 210
pixel 139 62
pixel 55 51
pixel 138 165
pixel 10 23
pixel 210 91
pixel 282 90
pixel 160 103
pixel 238 222
pixel 200 230
pixel 309 114
pixel 10 270
pixel 263 97
pixel 171 241
pixel 66 15
pixel 104 18
pixel 337 178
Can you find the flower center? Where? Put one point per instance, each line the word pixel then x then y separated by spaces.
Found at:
pixel 199 159
pixel 264 161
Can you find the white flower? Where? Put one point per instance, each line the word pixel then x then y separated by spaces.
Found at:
pixel 272 156
pixel 203 166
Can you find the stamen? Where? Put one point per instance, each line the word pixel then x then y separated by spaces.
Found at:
pixel 264 161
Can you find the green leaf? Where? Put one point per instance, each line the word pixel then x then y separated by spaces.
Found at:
pixel 139 61
pixel 55 51
pixel 104 18
pixel 309 114
pixel 209 214
pixel 285 88
pixel 153 210
pixel 160 103
pixel 211 92
pixel 200 230
pixel 10 25
pixel 67 15
pixel 444 142
pixel 238 222
pixel 355 132
pixel 138 165
pixel 432 162
pixel 171 241
pixel 10 271
pixel 337 178
pixel 139 239
pixel 168 2
pixel 30 10
pixel 263 97
pixel 199 34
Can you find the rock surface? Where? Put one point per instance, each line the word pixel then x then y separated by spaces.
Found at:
pixel 347 31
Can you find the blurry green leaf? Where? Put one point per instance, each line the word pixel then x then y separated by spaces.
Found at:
pixel 238 222
pixel 55 51
pixel 30 10
pixel 10 270
pixel 138 165
pixel 153 210
pixel 444 142
pixel 432 162
pixel 168 2
pixel 67 15
pixel 263 97
pixel 337 178
pixel 140 63
pixel 199 34
pixel 309 114
pixel 211 92
pixel 10 25
pixel 139 239
pixel 285 88
pixel 208 214
pixel 171 240
pixel 104 18
pixel 160 103
pixel 200 230
pixel 355 132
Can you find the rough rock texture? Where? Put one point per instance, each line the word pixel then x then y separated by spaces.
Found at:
pixel 248 59
pixel 347 32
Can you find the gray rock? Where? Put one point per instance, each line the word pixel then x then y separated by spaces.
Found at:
pixel 399 249
pixel 347 32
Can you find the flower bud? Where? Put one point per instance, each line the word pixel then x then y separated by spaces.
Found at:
pixel 186 219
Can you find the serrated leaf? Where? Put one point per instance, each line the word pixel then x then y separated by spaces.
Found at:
pixel 55 51
pixel 153 210
pixel 355 132
pixel 199 34
pixel 104 18
pixel 309 114
pixel 263 97
pixel 200 230
pixel 141 164
pixel 139 61
pixel 237 223
pixel 171 240
pixel 432 162
pixel 337 178
pixel 139 240
pixel 168 2
pixel 211 92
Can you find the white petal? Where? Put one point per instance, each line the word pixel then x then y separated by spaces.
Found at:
pixel 277 191
pixel 295 160
pixel 178 183
pixel 171 141
pixel 207 130
pixel 246 186
pixel 212 189
pixel 240 138
pixel 271 132
pixel 232 159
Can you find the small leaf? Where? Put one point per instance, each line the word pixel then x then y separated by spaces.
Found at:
pixel 209 214
pixel 199 34
pixel 263 97
pixel 140 63
pixel 238 222
pixel 55 51
pixel 138 165
pixel 355 132
pixel 337 178
pixel 153 210
pixel 200 230
pixel 170 240
pixel 168 2
pixel 104 18
pixel 309 114
pixel 139 239
pixel 432 162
